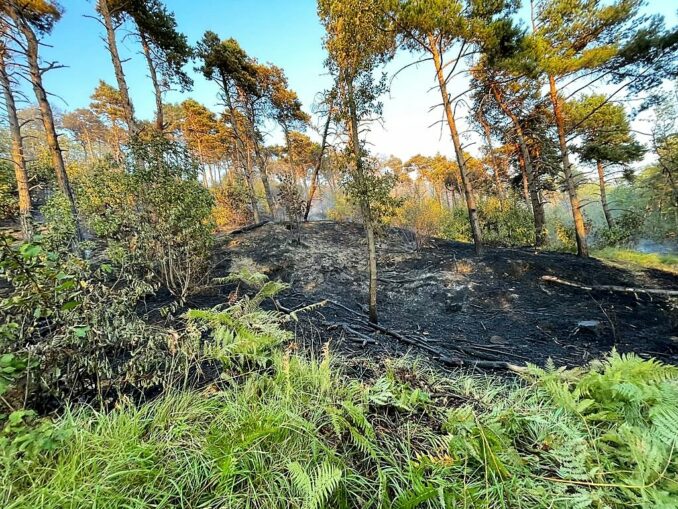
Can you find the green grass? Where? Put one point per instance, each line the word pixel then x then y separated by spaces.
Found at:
pixel 301 435
pixel 635 259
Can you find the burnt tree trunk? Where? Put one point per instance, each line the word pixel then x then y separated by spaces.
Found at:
pixel 242 150
pixel 495 165
pixel 318 165
pixel 47 117
pixel 530 174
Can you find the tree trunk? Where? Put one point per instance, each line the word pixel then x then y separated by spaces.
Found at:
pixel 524 180
pixel 532 178
pixel 159 117
pixel 117 67
pixel 47 117
pixel 603 195
pixel 250 187
pixel 18 159
pixel 243 151
pixel 364 206
pixel 318 165
pixel 263 171
pixel 579 227
pixel 468 187
pixel 495 166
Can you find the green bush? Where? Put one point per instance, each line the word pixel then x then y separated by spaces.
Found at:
pixel 59 228
pixel 154 215
pixel 502 223
pixel 76 328
pixel 506 223
pixel 456 225
pixel 627 228
pixel 9 201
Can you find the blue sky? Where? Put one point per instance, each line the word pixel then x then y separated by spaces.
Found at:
pixel 286 33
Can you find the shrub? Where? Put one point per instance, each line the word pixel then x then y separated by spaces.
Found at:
pixel 154 214
pixel 626 229
pixel 424 217
pixel 293 203
pixel 9 202
pixel 232 207
pixel 505 223
pixel 59 228
pixel 342 209
pixel 75 328
pixel 456 225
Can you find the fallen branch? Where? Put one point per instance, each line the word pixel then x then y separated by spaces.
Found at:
pixel 611 288
pixel 463 363
pixel 357 336
pixel 248 228
pixel 450 361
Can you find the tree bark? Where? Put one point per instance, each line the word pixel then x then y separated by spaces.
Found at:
pixel 579 226
pixel 467 185
pixel 603 195
pixel 159 116
pixel 18 159
pixel 524 180
pixel 117 67
pixel 364 206
pixel 47 116
pixel 250 187
pixel 495 166
pixel 530 172
pixel 318 164
pixel 242 151
pixel 263 172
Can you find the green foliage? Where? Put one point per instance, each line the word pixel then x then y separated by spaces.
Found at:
pixel 154 215
pixel 243 333
pixel 9 202
pixel 60 228
pixel 503 223
pixel 388 391
pixel 627 227
pixel 457 226
pixel 630 407
pixel 77 327
pixel 634 259
pixel 24 437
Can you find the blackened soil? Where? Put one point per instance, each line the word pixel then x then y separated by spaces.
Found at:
pixel 492 307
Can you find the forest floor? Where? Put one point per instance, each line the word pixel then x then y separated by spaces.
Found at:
pixel 444 302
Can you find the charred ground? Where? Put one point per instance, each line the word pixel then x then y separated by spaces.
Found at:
pixel 444 299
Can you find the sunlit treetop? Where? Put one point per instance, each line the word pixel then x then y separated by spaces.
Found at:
pixel 40 14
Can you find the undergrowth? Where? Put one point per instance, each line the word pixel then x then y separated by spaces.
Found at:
pixel 634 259
pixel 284 429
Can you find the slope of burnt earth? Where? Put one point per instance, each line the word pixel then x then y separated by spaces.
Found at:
pixel 442 301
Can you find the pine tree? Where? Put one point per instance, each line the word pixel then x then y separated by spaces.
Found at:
pixel 17 155
pixel 571 37
pixel 606 138
pixel 29 20
pixel 356 47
